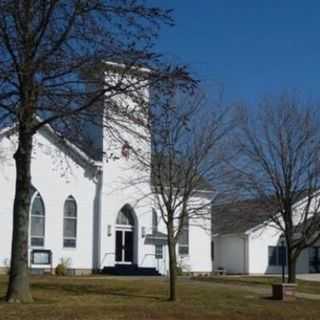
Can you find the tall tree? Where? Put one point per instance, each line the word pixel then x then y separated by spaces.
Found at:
pixel 279 164
pixel 186 164
pixel 48 52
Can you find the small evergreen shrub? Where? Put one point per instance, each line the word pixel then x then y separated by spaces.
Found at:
pixel 62 268
pixel 182 268
pixel 6 263
pixel 179 270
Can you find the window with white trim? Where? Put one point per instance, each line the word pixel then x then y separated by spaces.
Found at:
pixel 70 223
pixel 37 228
pixel 159 251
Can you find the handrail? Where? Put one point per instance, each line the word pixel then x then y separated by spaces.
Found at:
pixel 146 255
pixel 105 256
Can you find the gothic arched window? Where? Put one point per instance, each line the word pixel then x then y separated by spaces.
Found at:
pixel 70 223
pixel 37 221
pixel 125 216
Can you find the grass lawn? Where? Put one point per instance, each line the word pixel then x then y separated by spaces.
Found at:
pixel 72 298
pixel 302 285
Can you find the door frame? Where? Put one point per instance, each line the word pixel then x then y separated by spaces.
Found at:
pixel 123 229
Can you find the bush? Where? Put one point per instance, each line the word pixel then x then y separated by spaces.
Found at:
pixel 182 268
pixel 6 263
pixel 62 268
pixel 179 270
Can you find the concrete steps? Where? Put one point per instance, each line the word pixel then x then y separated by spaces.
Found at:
pixel 129 270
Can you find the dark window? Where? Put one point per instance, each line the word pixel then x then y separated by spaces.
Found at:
pixel 183 240
pixel 272 256
pixel 212 250
pixel 282 255
pixel 314 259
pixel 154 221
pixel 159 251
pixel 119 245
pixel 128 244
pixel 125 216
pixel 37 221
pixel 70 223
pixel 277 255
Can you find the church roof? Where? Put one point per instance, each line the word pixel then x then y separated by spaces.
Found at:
pixel 76 153
pixel 240 216
pixel 86 153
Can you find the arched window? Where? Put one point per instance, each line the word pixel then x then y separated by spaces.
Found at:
pixel 125 216
pixel 70 223
pixel 37 221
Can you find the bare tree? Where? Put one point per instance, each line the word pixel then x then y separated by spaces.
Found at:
pixel 187 160
pixel 49 52
pixel 279 165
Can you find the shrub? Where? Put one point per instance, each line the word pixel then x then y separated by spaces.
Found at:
pixel 62 268
pixel 182 268
pixel 6 263
pixel 179 270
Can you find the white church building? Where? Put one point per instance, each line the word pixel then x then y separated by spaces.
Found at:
pixel 87 212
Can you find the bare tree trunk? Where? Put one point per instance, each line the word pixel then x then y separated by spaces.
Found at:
pixel 172 262
pixel 291 267
pixel 19 286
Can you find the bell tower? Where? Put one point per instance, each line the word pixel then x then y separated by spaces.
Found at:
pixel 126 145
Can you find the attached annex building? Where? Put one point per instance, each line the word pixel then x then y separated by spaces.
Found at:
pixel 245 241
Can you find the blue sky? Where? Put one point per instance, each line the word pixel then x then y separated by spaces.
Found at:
pixel 250 48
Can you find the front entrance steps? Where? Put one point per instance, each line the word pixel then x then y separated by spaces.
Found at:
pixel 129 270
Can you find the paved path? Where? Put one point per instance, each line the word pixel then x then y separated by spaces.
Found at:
pixel 309 276
pixel 260 290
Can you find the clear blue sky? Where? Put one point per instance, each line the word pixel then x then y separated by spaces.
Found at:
pixel 250 47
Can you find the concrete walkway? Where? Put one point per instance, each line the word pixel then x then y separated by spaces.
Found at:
pixel 309 276
pixel 260 290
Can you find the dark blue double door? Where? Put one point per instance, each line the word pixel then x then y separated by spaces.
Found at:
pixel 124 246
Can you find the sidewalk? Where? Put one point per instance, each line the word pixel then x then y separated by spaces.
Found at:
pixel 260 290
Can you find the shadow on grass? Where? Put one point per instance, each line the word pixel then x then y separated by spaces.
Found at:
pixel 241 281
pixel 81 290
pixel 36 300
pixel 270 298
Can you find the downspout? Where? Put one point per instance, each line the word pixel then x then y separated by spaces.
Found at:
pixel 97 221
pixel 245 239
pixel 248 253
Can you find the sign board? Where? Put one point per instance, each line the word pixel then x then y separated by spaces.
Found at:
pixel 41 257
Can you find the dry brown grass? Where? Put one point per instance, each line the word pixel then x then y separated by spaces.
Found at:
pixel 108 298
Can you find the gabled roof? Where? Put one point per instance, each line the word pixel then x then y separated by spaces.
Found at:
pixel 240 216
pixel 52 135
